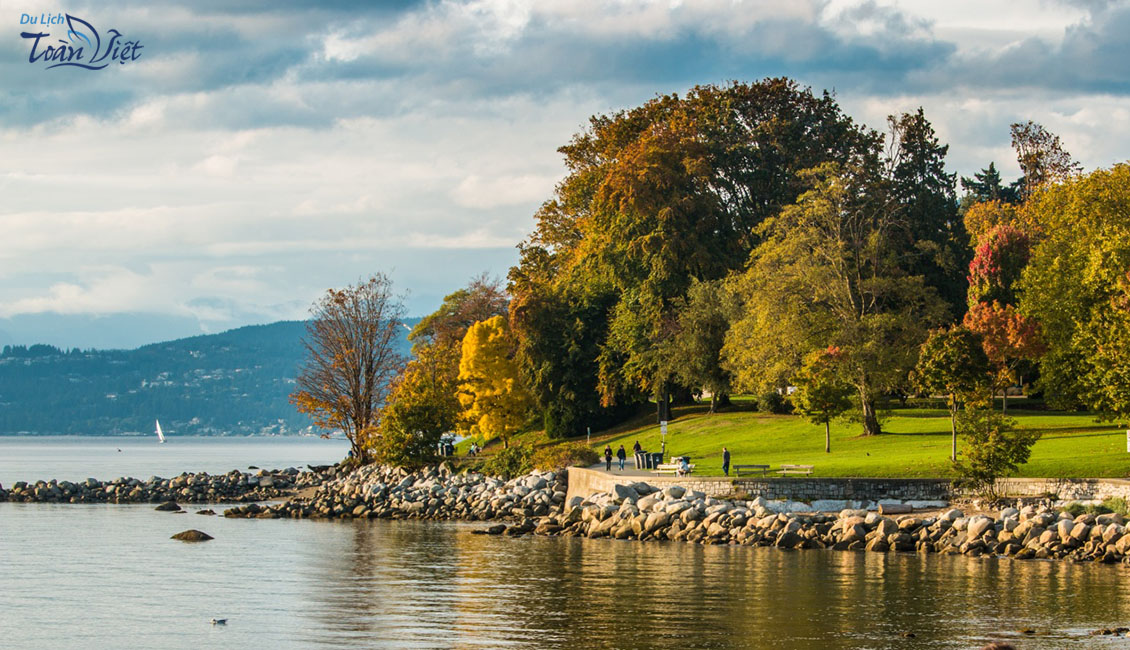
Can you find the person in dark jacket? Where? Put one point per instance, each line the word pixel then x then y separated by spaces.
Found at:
pixel 725 461
pixel 620 456
pixel 608 458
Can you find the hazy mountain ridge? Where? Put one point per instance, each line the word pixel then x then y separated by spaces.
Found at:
pixel 232 383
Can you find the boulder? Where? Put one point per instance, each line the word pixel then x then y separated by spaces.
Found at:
pixel 169 506
pixel 192 536
pixel 625 492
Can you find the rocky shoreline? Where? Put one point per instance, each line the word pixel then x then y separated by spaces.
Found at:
pixel 234 486
pixel 535 503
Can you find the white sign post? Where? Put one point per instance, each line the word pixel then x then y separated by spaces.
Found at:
pixel 1128 441
pixel 663 434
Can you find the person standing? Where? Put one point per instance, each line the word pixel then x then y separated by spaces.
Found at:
pixel 620 456
pixel 608 458
pixel 637 449
pixel 725 461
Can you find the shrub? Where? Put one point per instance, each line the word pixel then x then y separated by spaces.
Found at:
pixel 1113 504
pixel 773 402
pixel 993 449
pixel 395 446
pixel 510 462
pixel 566 454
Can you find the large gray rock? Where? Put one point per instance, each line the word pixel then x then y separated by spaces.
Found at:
pixel 977 526
pixel 625 492
pixel 674 492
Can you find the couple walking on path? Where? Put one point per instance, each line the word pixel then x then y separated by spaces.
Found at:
pixel 621 455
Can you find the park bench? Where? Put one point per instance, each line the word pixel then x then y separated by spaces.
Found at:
pixel 750 469
pixel 795 469
pixel 672 469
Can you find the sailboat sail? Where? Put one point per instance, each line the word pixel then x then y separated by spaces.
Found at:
pixel 160 434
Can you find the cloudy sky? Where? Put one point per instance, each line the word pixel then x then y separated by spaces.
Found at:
pixel 258 153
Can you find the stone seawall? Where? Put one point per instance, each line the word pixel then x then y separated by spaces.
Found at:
pixel 586 482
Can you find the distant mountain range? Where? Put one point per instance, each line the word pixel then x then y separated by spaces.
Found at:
pixel 232 383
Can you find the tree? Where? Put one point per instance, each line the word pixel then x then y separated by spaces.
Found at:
pixel 981 218
pixel 1077 287
pixel 953 363
pixel 994 447
pixel 1041 156
pixel 695 348
pixel 491 391
pixel 923 194
pixel 422 406
pixel 1009 338
pixel 351 348
pixel 482 298
pixel 828 273
pixel 822 395
pixel 659 197
pixel 999 260
pixel 986 186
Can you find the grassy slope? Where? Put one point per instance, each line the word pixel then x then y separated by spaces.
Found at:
pixel 916 443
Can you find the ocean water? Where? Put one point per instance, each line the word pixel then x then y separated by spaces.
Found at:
pixel 105 576
pixel 76 458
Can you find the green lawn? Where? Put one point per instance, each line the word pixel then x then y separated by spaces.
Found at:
pixel 915 443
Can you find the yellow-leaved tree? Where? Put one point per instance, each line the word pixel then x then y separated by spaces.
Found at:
pixel 494 399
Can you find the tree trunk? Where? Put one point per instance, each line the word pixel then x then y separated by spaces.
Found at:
pixel 953 428
pixel 870 419
pixel 1004 400
pixel 827 437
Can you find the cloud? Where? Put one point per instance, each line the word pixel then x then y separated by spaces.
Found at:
pixel 254 157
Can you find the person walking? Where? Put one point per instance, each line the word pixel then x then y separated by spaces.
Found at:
pixel 608 458
pixel 620 456
pixel 637 449
pixel 725 461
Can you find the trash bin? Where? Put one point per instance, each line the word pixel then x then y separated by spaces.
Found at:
pixel 656 460
pixel 640 462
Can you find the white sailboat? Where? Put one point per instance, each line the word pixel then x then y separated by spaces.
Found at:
pixel 160 434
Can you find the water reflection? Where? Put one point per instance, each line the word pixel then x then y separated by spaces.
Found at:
pixel 422 584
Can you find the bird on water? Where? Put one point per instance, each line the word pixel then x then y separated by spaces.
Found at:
pixel 219 621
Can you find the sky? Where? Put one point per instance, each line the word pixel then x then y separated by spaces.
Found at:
pixel 256 154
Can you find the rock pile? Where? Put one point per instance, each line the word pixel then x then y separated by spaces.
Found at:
pixel 643 512
pixel 191 488
pixel 377 491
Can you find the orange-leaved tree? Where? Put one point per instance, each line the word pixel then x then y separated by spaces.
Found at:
pixel 494 399
pixel 352 356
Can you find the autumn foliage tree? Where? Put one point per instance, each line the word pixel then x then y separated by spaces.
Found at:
pixel 351 359
pixel 1009 337
pixel 495 401
pixel 422 406
pixel 822 395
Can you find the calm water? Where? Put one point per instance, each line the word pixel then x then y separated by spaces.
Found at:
pixel 97 576
pixel 75 458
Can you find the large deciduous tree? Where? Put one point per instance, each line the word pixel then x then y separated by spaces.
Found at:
pixel 657 198
pixel 829 273
pixel 494 398
pixel 1077 286
pixel 351 358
